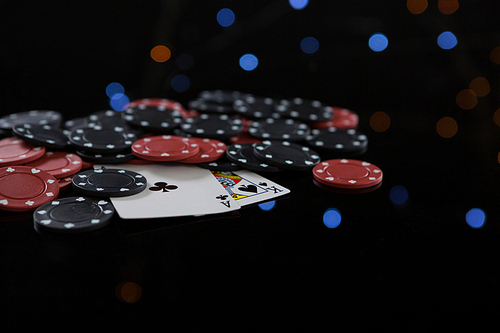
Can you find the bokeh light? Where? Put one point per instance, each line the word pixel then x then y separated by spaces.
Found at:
pixel 266 206
pixel 309 45
pixel 398 195
pixel 378 42
pixel 249 62
pixel 298 4
pixel 447 40
pixel 129 292
pixel 495 55
pixel 475 218
pixel 184 61
pixel 480 86
pixel 448 6
pixel 114 88
pixel 447 127
pixel 160 53
pixel 332 218
pixel 180 83
pixel 225 17
pixel 466 99
pixel 119 102
pixel 416 6
pixel 496 117
pixel 380 121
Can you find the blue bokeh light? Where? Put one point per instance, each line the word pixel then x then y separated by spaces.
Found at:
pixel 114 88
pixel 475 218
pixel 298 4
pixel 309 45
pixel 225 17
pixel 332 218
pixel 398 194
pixel 180 83
pixel 378 42
pixel 447 40
pixel 119 102
pixel 249 62
pixel 266 206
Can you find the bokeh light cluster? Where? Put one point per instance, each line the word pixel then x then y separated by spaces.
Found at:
pixel 118 100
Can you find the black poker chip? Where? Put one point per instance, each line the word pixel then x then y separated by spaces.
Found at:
pixel 221 96
pixel 105 182
pixel 286 155
pixel 207 106
pixel 221 164
pixel 42 135
pixel 279 129
pixel 105 118
pixel 102 140
pixel 256 107
pixel 338 140
pixel 106 158
pixel 304 110
pixel 75 214
pixel 243 155
pixel 213 126
pixel 37 117
pixel 161 118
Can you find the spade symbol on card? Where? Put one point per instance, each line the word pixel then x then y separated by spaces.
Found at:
pixel 263 184
pixel 162 186
pixel 248 188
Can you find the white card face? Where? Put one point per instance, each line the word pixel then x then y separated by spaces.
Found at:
pixel 174 189
pixel 247 187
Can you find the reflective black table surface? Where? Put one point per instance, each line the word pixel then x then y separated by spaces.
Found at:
pixel 418 252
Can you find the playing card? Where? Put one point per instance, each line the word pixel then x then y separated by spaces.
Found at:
pixel 247 187
pixel 173 189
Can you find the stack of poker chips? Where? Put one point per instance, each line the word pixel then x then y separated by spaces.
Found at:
pixel 219 130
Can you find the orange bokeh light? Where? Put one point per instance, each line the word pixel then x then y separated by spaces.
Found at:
pixel 129 292
pixel 480 86
pixel 466 99
pixel 448 6
pixel 496 117
pixel 495 55
pixel 160 53
pixel 446 127
pixel 380 121
pixel 416 6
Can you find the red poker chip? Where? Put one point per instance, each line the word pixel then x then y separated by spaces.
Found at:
pixel 347 173
pixel 65 183
pixel 24 188
pixel 210 150
pixel 162 148
pixel 15 151
pixel 58 163
pixel 342 119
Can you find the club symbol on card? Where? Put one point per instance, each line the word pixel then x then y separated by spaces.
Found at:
pixel 164 187
pixel 222 197
pixel 248 188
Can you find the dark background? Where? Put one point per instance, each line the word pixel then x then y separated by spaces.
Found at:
pixel 418 265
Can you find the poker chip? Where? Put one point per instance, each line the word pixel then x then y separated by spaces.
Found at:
pixel 286 155
pixel 341 119
pixel 42 135
pixel 243 155
pixel 210 106
pixel 333 139
pixel 221 164
pixel 104 118
pixel 347 173
pixel 304 110
pixel 74 123
pixel 36 117
pixel 165 148
pixel 59 164
pixel 221 96
pixel 210 150
pixel 73 215
pixel 256 107
pixel 109 182
pixel 279 129
pixel 346 190
pixel 213 126
pixel 102 140
pixel 24 188
pixel 15 151
pixel 161 118
pixel 106 158
pixel 65 183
